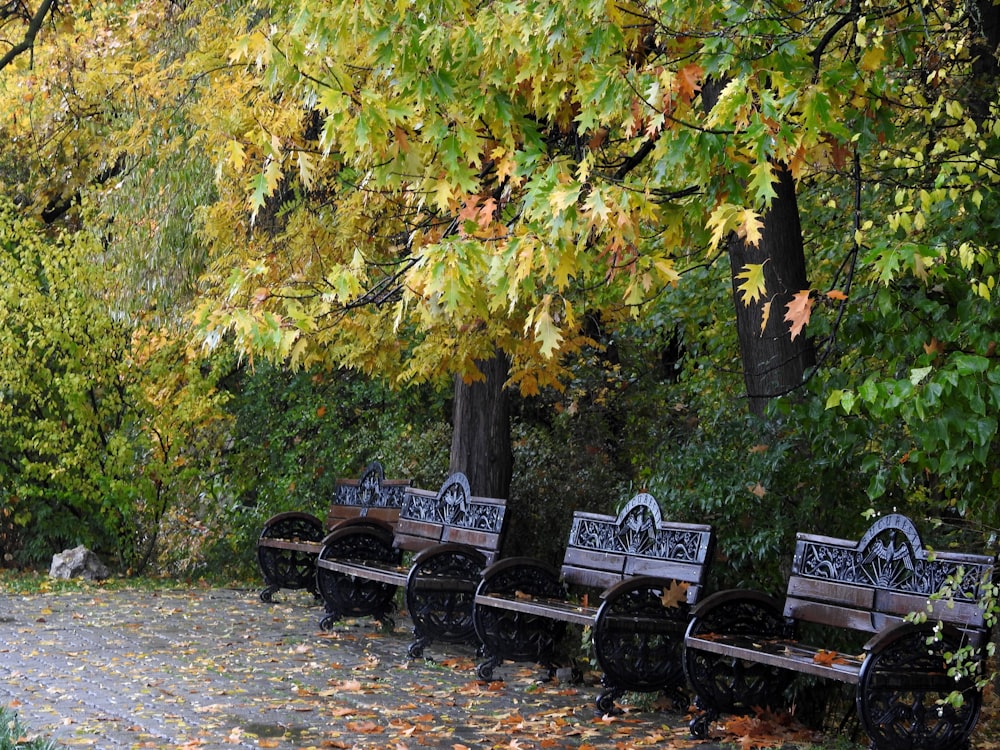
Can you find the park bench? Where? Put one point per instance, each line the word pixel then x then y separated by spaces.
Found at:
pixel 740 645
pixel 452 536
pixel 289 542
pixel 644 574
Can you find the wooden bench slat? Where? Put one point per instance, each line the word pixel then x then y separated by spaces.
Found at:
pixel 834 592
pixel 588 577
pixel 958 613
pixel 368 569
pixel 611 562
pixel 426 530
pixel 690 572
pixel 784 654
pixel 553 609
pixel 291 545
pixel 822 613
pixel 471 537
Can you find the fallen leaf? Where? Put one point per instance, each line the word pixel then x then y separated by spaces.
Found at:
pixel 675 594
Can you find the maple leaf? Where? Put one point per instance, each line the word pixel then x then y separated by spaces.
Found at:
pixel 934 347
pixel 753 285
pixel 752 227
pixel 765 315
pixel 468 218
pixel 798 311
pixel 825 657
pixel 689 81
pixel 675 594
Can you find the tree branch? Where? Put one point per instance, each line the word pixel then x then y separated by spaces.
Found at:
pixel 29 36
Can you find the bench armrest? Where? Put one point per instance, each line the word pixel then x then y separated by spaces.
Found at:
pixel 972 637
pixel 721 598
pixel 365 522
pixel 508 563
pixel 634 582
pixel 451 549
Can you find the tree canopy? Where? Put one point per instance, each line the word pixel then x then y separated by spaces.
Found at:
pixel 406 189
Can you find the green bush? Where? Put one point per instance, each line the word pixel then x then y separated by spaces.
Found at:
pixel 14 736
pixel 294 433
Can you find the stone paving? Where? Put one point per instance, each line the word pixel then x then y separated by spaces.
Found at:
pixel 216 668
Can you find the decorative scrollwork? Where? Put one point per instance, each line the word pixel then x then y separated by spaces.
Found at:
pixel 518 636
pixel 902 691
pixel 284 568
pixel 889 556
pixel 729 684
pixel 455 506
pixel 638 530
pixel 353 596
pixel 440 592
pixel 369 491
pixel 638 641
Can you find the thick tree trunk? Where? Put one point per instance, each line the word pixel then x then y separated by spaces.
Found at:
pixel 773 363
pixel 481 444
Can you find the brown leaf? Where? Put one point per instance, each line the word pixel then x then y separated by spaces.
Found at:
pixel 798 311
pixel 825 657
pixel 675 594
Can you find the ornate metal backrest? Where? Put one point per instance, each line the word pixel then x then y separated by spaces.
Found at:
pixel 369 491
pixel 639 530
pixel 891 557
pixel 455 505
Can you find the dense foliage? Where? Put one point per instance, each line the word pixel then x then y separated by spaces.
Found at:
pixel 375 190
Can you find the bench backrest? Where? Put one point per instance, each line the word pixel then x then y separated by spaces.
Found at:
pixel 869 584
pixel 370 496
pixel 452 514
pixel 602 550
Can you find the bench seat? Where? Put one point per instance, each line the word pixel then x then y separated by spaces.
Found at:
pixel 290 542
pixel 911 609
pixel 641 574
pixel 451 534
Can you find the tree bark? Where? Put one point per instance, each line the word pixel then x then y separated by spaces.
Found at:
pixel 481 443
pixel 773 363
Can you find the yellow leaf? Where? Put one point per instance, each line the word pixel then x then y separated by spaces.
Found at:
pixel 443 195
pixel 722 221
pixel 752 227
pixel 765 316
pixel 237 155
pixel 753 285
pixel 546 331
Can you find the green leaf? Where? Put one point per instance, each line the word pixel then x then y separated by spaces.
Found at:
pixel 969 364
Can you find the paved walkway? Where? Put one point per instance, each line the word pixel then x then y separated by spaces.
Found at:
pixel 216 668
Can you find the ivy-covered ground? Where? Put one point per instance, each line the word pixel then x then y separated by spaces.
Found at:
pixel 216 668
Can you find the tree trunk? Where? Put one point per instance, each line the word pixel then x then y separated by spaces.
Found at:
pixel 773 363
pixel 481 444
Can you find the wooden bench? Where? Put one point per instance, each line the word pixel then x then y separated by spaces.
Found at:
pixel 644 574
pixel 741 644
pixel 453 536
pixel 289 542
